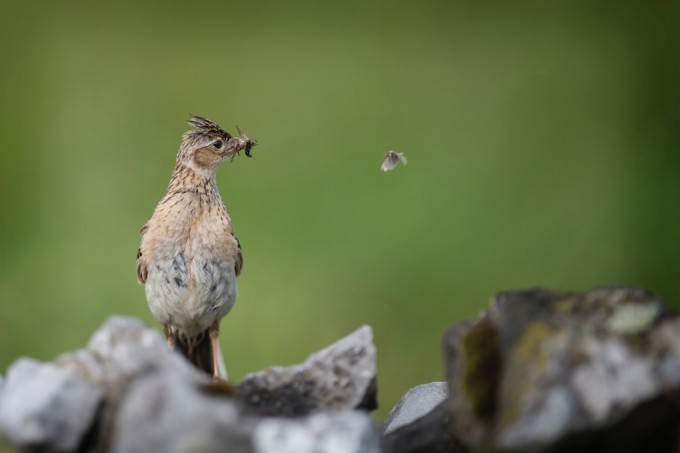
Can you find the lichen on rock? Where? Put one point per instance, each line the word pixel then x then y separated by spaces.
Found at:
pixel 572 368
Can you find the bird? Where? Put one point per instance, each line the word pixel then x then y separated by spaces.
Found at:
pixel 189 256
pixel 392 159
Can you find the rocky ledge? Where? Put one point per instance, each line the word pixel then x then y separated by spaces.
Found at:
pixel 540 370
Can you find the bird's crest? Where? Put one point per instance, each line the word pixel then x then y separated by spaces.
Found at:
pixel 206 126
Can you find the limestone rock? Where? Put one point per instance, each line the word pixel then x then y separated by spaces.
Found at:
pixel 166 412
pixel 415 404
pixel 47 408
pixel 121 353
pixel 339 377
pixel 122 349
pixel 546 370
pixel 539 371
pixel 343 432
pixel 421 421
pixel 128 392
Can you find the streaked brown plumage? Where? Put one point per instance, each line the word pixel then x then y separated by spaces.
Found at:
pixel 189 255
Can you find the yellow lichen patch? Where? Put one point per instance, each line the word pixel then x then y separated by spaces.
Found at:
pixel 528 358
pixel 482 362
pixel 632 318
pixel 565 306
pixel 530 346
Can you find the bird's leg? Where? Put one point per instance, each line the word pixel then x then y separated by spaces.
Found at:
pixel 169 337
pixel 214 332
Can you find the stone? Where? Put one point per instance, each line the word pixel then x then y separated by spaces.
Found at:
pixel 123 348
pixel 128 392
pixel 416 403
pixel 339 377
pixel 165 412
pixel 540 370
pixel 5 446
pixel 47 408
pixel 120 354
pixel 545 370
pixel 421 421
pixel 340 432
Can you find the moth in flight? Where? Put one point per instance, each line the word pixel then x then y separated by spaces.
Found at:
pixel 392 159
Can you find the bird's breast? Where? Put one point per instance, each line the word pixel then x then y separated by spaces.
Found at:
pixel 192 255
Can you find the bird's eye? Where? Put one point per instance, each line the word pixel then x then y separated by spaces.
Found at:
pixel 217 144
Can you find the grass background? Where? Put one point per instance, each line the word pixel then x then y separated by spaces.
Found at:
pixel 543 144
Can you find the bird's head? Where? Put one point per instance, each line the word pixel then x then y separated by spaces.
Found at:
pixel 205 148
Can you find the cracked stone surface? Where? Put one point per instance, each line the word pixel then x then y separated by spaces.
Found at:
pixel 339 377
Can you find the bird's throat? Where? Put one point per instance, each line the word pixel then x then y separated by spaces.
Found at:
pixel 187 179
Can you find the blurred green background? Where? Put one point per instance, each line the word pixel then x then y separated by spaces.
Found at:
pixel 543 144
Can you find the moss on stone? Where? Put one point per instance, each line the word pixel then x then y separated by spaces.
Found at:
pixel 482 361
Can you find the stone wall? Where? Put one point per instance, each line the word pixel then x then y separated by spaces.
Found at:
pixel 539 370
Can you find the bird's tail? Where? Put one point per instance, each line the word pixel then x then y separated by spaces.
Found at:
pixel 199 352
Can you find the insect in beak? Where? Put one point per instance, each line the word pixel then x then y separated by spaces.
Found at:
pixel 248 142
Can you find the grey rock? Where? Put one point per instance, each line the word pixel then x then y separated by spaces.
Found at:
pixel 123 348
pixel 344 432
pixel 545 370
pixel 416 403
pixel 128 392
pixel 616 376
pixel 155 400
pixel 166 412
pixel 421 422
pixel 339 377
pixel 46 408
pixel 121 353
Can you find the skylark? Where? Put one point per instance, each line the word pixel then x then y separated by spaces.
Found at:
pixel 189 255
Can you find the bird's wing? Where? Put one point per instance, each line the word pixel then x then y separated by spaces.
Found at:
pixel 239 256
pixel 142 270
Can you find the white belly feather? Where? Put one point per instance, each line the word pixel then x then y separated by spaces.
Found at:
pixel 190 287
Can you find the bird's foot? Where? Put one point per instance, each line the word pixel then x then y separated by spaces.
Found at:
pixel 214 333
